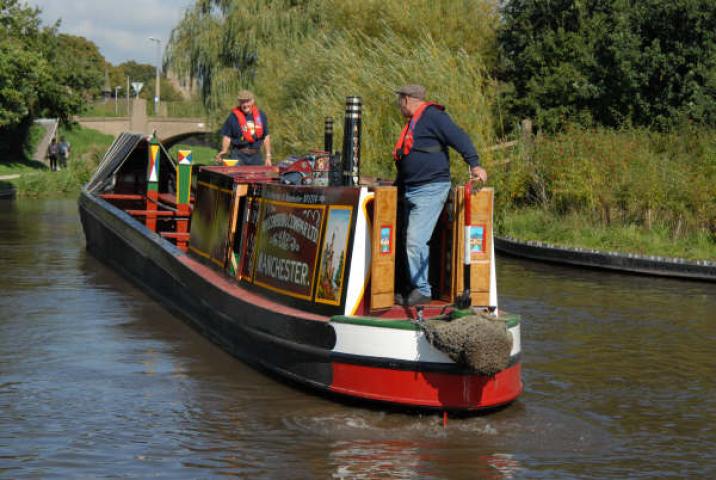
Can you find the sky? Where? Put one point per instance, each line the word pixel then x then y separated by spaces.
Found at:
pixel 120 29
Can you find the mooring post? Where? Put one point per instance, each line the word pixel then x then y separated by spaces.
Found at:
pixel 152 184
pixel 183 197
pixel 351 141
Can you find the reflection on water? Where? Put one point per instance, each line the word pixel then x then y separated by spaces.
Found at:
pixel 98 380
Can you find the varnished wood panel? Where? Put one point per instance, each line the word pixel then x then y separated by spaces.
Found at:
pixel 382 268
pixel 481 215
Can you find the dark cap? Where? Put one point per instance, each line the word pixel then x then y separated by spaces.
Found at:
pixel 412 90
pixel 245 95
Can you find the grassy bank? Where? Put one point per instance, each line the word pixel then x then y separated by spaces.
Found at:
pixel 36 180
pixel 573 230
pixel 88 148
pixel 630 190
pixel 200 155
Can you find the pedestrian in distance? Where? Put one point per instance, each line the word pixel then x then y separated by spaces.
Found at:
pixel 63 152
pixel 52 153
pixel 245 131
pixel 423 180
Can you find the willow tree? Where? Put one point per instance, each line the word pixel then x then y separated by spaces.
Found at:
pixel 303 57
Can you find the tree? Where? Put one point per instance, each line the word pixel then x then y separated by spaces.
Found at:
pixel 24 71
pixel 609 62
pixel 22 74
pixel 167 90
pixel 41 72
pixel 145 73
pixel 78 71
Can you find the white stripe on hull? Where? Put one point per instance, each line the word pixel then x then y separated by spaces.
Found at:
pixel 396 344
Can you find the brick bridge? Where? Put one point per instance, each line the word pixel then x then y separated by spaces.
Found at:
pixel 169 130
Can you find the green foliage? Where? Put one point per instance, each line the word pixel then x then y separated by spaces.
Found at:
pixel 185 108
pixel 372 67
pixel 201 155
pixel 42 73
pixel 303 58
pixel 574 229
pixel 24 71
pixel 609 62
pixel 137 72
pixel 141 72
pixel 595 64
pixel 77 67
pixel 616 178
pixel 48 184
pixel 107 108
pixel 86 142
pixel 88 147
pixel 167 92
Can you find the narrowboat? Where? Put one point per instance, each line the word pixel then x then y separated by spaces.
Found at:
pixel 294 271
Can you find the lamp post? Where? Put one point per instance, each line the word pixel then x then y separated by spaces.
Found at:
pixel 156 88
pixel 116 95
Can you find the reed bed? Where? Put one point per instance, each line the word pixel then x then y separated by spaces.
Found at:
pixel 303 58
pixel 635 183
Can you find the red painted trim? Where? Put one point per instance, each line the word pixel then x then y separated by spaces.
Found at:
pixel 427 389
pixel 223 283
pixel 432 309
pixel 177 235
pixel 121 196
pixel 155 213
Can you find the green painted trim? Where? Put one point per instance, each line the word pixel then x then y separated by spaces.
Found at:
pixel 511 319
pixel 461 313
pixel 183 183
pixel 375 322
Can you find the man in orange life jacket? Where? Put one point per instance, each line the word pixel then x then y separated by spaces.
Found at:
pixel 244 131
pixel 423 164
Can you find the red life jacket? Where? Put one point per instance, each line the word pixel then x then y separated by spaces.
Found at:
pixel 405 141
pixel 245 130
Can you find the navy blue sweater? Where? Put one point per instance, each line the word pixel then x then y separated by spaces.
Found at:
pixel 434 129
pixel 232 129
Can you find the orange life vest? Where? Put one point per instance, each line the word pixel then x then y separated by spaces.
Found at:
pixel 405 141
pixel 245 130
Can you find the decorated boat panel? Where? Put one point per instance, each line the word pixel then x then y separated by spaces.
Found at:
pixel 299 243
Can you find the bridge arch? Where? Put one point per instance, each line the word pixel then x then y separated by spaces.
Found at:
pixel 170 141
pixel 167 128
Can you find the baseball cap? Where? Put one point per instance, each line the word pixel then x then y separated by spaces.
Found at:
pixel 245 95
pixel 412 90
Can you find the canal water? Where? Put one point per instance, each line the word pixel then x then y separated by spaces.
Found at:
pixel 99 381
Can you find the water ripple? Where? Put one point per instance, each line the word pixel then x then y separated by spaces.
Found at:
pixel 97 380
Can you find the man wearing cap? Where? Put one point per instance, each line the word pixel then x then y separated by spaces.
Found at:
pixel 244 131
pixel 423 164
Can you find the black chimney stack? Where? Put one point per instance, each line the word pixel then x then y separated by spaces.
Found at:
pixel 328 136
pixel 351 141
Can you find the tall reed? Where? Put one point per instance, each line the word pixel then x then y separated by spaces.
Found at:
pixel 304 58
pixel 610 177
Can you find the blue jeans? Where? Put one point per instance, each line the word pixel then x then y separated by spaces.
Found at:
pixel 423 205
